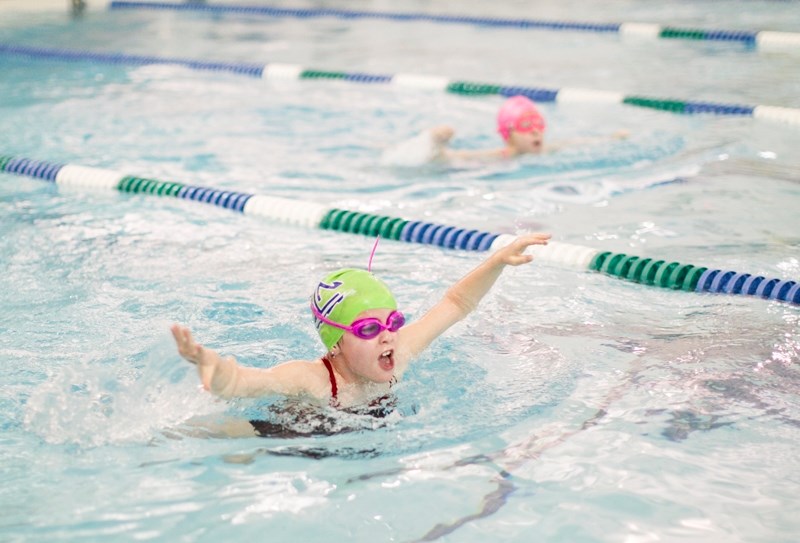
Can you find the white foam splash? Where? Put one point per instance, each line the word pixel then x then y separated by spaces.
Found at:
pixel 92 403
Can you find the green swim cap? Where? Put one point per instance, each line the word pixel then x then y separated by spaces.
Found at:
pixel 343 295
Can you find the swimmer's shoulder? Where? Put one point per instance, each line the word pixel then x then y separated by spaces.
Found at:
pixel 303 377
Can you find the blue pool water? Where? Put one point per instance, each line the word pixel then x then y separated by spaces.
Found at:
pixel 571 406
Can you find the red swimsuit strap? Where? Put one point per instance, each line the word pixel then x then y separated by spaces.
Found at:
pixel 334 388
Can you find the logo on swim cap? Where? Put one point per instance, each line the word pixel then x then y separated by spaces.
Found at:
pixel 345 294
pixel 519 113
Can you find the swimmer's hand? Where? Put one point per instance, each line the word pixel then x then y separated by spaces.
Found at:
pixel 513 253
pixel 206 360
pixel 465 295
pixel 442 134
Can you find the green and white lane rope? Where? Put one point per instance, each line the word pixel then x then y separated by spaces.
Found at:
pixel 763 40
pixel 647 271
pixel 421 82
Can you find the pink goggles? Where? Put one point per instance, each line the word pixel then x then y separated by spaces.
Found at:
pixel 366 328
pixel 528 122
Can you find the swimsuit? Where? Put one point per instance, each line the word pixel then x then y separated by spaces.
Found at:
pixel 314 422
pixel 379 407
pixel 334 402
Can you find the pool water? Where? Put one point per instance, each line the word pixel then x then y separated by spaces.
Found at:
pixel 570 406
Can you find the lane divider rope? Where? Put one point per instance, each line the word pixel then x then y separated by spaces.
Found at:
pixel 421 82
pixel 647 271
pixel 761 39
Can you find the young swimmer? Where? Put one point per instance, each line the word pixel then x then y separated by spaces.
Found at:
pixel 519 123
pixel 367 340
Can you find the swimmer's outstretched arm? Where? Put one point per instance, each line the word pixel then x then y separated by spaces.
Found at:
pixel 441 136
pixel 463 297
pixel 224 377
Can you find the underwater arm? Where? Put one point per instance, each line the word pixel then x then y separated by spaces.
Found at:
pixel 590 140
pixel 473 154
pixel 463 297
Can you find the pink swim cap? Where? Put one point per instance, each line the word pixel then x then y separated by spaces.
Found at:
pixel 520 114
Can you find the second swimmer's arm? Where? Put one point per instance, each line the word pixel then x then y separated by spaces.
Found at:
pixel 463 297
pixel 470 290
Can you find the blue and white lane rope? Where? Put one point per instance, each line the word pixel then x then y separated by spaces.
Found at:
pixel 762 40
pixel 76 55
pixel 422 82
pixel 647 271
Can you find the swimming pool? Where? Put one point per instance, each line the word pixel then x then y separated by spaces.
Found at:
pixel 571 406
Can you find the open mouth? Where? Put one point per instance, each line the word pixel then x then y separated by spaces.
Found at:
pixel 386 360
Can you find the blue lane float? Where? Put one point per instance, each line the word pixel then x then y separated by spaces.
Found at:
pixel 646 271
pixel 422 82
pixel 74 55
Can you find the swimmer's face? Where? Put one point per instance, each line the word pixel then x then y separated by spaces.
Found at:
pixel 371 360
pixel 529 142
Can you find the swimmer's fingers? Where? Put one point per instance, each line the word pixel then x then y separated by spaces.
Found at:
pixel 537 238
pixel 442 134
pixel 188 348
pixel 513 254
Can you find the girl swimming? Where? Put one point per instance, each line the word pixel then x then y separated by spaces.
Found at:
pixel 368 343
